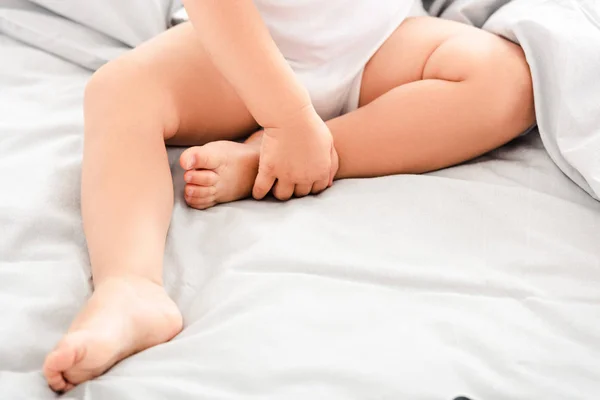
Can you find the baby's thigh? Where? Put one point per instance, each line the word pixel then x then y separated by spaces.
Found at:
pixel 404 56
pixel 174 71
pixel 432 48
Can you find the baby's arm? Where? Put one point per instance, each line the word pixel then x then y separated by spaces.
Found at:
pixel 241 47
pixel 298 148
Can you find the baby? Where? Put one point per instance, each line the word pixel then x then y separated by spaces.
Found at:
pixel 324 89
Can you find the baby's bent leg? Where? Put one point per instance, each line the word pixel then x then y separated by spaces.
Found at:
pixel 437 93
pixel 166 89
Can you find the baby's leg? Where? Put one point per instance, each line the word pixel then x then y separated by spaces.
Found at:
pixel 436 94
pixel 166 89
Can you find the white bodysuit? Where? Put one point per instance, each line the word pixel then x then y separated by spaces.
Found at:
pixel 329 42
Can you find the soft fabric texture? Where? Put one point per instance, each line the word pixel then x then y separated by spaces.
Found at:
pixel 480 280
pixel 89 34
pixel 50 32
pixel 130 21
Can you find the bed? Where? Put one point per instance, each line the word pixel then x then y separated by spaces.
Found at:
pixel 480 280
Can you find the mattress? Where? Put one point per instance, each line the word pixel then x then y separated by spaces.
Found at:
pixel 480 280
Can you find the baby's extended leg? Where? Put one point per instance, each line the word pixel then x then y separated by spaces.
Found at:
pixel 436 94
pixel 165 89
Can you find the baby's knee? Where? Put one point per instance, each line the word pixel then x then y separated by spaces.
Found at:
pixel 492 68
pixel 113 83
pixel 506 76
pixel 125 88
pixel 517 82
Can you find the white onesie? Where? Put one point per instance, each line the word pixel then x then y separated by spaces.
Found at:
pixel 329 42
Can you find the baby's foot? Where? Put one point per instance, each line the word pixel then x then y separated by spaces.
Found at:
pixel 123 317
pixel 219 172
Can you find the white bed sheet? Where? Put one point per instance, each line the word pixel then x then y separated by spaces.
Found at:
pixel 481 280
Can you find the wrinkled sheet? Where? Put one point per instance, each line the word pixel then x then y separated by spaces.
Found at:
pixel 561 39
pixel 480 280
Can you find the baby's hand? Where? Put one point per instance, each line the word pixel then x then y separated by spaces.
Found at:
pixel 298 158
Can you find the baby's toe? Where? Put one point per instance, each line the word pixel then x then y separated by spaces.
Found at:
pixel 59 362
pixel 55 379
pixel 200 197
pixel 194 191
pixel 200 157
pixel 200 203
pixel 201 178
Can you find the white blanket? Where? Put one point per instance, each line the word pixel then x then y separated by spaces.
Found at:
pixel 480 280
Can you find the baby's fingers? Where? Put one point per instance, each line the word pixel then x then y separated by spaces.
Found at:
pixel 320 186
pixel 283 190
pixel 262 185
pixel 302 190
